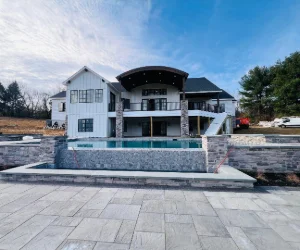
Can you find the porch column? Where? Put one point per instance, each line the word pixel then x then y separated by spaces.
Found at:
pixel 198 125
pixel 184 119
pixel 183 88
pixel 119 120
pixel 208 121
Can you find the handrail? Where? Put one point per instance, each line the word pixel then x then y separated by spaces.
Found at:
pixel 159 106
pixel 226 156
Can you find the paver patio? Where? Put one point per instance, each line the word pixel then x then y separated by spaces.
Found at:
pixel 37 216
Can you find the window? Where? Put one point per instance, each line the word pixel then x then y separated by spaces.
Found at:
pixel 98 95
pixel 74 96
pixel 85 125
pixel 146 92
pixel 125 126
pixel 86 96
pixel 62 107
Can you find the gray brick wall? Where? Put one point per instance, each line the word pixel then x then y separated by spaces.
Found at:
pixel 119 120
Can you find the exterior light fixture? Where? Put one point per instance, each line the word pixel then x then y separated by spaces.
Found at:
pixel 159 73
pixel 129 78
pixel 144 73
pixel 146 81
pixel 174 75
pixel 173 83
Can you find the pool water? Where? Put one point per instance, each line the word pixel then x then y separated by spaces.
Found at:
pixel 134 144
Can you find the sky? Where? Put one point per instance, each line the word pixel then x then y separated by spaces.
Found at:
pixel 42 42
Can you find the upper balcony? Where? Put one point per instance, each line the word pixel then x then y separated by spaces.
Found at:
pixel 167 106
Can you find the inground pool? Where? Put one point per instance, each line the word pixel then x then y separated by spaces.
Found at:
pixel 135 144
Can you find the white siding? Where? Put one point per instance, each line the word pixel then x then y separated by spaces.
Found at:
pixel 96 111
pixel 56 115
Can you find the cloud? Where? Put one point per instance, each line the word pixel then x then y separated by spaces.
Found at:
pixel 44 42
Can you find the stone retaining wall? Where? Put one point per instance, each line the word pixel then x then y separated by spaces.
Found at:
pixel 267 158
pixel 185 160
pixel 18 154
pixel 21 154
pixel 262 139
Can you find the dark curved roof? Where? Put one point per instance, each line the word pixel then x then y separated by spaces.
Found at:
pixel 152 74
pixel 200 84
pixel 59 95
pixel 150 68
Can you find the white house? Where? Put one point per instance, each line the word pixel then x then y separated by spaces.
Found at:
pixel 58 108
pixel 147 101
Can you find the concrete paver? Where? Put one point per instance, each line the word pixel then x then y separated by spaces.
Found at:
pixel 59 217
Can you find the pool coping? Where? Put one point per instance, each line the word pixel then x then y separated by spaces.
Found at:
pixel 226 173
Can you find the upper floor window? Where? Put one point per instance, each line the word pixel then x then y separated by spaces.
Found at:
pixel 98 95
pixel 62 107
pixel 146 92
pixel 85 125
pixel 74 96
pixel 86 96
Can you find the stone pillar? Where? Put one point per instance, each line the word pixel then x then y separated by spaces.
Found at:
pixel 184 119
pixel 119 120
pixel 216 148
pixel 50 147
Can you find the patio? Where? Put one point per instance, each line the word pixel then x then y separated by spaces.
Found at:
pixel 88 217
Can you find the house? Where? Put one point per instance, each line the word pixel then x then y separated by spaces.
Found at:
pixel 146 101
pixel 58 109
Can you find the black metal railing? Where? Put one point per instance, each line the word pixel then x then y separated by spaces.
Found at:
pixel 206 107
pixel 169 106
pixel 152 106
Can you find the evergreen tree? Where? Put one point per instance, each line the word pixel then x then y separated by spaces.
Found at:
pixel 14 99
pixel 256 94
pixel 287 85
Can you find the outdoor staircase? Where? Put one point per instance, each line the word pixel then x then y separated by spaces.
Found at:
pixel 216 124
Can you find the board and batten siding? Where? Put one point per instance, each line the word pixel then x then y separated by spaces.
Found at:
pixel 96 111
pixel 57 115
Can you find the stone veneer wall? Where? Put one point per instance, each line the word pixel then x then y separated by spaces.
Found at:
pixel 215 148
pixel 267 158
pixel 184 119
pixel 18 154
pixel 119 120
pixel 142 159
pixel 21 154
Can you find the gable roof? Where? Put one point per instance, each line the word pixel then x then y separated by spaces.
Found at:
pixel 59 95
pixel 223 95
pixel 84 68
pixel 199 85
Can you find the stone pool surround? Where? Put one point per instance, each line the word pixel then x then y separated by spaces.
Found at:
pixel 227 177
pixel 261 153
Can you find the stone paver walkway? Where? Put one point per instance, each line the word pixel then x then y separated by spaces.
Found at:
pixel 35 216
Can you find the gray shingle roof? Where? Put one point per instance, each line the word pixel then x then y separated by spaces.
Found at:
pixel 200 84
pixel 118 86
pixel 223 95
pixel 59 95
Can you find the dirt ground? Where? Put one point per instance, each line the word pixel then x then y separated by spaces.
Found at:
pixel 263 130
pixel 9 125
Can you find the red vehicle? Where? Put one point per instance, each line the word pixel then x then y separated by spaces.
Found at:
pixel 242 122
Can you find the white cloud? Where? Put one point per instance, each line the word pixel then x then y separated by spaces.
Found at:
pixel 44 42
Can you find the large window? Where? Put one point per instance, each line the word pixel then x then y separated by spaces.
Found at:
pixel 98 95
pixel 85 125
pixel 74 96
pixel 146 92
pixel 86 96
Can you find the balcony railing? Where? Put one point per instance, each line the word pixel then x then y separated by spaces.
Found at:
pixel 206 107
pixel 152 107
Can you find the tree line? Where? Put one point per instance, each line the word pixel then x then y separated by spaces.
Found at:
pixel 16 101
pixel 269 92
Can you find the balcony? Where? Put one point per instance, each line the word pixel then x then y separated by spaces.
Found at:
pixel 171 106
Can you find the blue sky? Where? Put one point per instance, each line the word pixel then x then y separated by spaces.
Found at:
pixel 44 42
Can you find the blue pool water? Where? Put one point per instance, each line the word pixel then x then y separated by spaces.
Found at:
pixel 134 144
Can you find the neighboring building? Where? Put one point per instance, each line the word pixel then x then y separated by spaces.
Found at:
pixel 147 101
pixel 58 108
